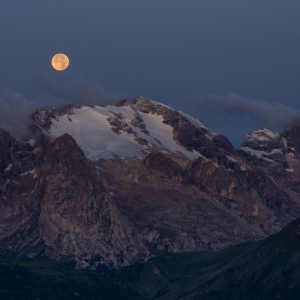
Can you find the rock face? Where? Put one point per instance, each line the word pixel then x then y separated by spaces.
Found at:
pixel 292 135
pixel 187 131
pixel 264 146
pixel 278 155
pixel 73 217
pixel 78 218
pixel 45 115
pixel 158 180
pixel 164 165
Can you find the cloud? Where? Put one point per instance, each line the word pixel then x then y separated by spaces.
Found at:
pixel 275 114
pixel 80 91
pixel 15 112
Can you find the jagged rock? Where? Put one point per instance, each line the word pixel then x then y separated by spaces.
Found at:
pixel 145 105
pixel 75 218
pixel 218 181
pixel 187 131
pixel 78 219
pixel 175 186
pixel 292 135
pixel 44 115
pixel 137 121
pixel 124 102
pixel 165 165
pixel 265 147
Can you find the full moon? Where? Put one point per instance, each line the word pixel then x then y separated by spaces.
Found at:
pixel 60 62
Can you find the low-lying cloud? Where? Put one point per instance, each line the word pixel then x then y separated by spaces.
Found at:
pixel 80 91
pixel 16 110
pixel 275 114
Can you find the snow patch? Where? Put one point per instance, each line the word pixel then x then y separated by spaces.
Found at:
pixel 164 133
pixel 260 154
pixel 31 142
pixel 8 168
pixel 263 135
pixel 98 169
pixel 231 159
pixel 32 172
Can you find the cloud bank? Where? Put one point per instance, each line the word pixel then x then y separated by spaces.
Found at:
pixel 16 110
pixel 274 114
pixel 79 91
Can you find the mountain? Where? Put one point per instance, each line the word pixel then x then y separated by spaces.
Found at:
pixel 263 270
pixel 111 186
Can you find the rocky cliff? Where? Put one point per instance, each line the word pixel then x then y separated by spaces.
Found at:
pixel 110 186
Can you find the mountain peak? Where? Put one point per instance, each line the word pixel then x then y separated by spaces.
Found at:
pixel 124 102
pixel 103 183
pixel 145 105
pixel 262 135
pixel 265 147
pixel 127 129
pixel 262 140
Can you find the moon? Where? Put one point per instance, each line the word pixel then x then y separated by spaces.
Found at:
pixel 60 61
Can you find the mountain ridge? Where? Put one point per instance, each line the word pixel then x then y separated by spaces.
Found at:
pixel 114 185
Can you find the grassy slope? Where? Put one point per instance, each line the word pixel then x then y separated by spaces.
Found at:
pixel 268 269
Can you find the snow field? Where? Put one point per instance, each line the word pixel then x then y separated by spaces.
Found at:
pixel 92 132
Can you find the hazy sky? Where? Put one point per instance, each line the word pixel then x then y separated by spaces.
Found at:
pixel 181 53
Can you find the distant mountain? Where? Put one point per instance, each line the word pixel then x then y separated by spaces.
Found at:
pixel 264 270
pixel 112 186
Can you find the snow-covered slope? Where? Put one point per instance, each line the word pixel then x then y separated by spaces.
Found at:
pixel 105 131
pixel 92 132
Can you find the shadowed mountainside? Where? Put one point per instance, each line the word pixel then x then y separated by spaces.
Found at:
pixel 268 269
pixel 111 186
